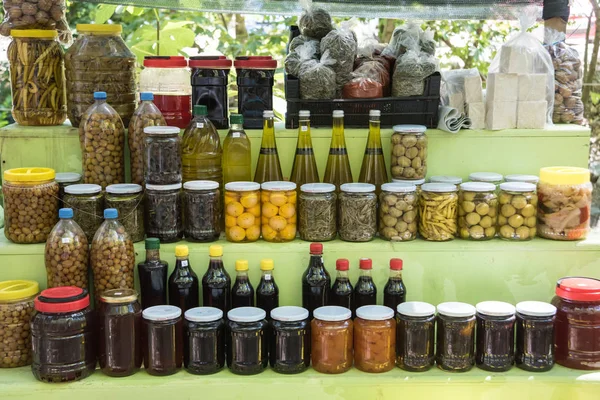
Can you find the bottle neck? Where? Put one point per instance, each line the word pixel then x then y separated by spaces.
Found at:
pixel 268 139
pixel 237 127
pixel 242 275
pixel 395 274
pixel 267 275
pixel 342 275
pixel 304 140
pixel 216 262
pixel 152 255
pixel 374 140
pixel 316 261
pixel 182 262
pixel 337 137
pixel 365 273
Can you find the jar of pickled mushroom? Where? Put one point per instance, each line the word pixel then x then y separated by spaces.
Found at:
pixel 279 217
pixel 332 339
pixel 204 340
pixel 374 339
pixel 357 212
pixel 477 211
pixel 535 336
pixel 495 343
pixel 455 337
pixel 438 206
pixel 242 212
pixel 415 336
pixel 398 212
pixel 317 212
pixel 289 350
pixel 162 340
pixel 487 177
pixel 409 152
pixel 247 341
pixel 518 209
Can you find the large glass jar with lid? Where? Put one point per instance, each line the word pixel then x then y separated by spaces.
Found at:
pixel 278 200
pixel 398 212
pixel 415 337
pixel 204 340
pixel 242 212
pixel 87 202
pixel 162 340
pixel 201 211
pixel 289 350
pixel 374 339
pixel 495 343
pixel 455 337
pixel 438 210
pixel 247 341
pixel 453 180
pixel 535 336
pixel 477 211
pixel 487 177
pixel 332 340
pixel 65 179
pixel 128 200
pixel 517 217
pixel 357 212
pixel 163 212
pixel 317 212
pixel 522 178
pixel 417 182
pixel 409 152
pixel 162 155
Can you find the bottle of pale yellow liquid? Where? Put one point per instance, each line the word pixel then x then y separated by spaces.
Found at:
pixel 338 170
pixel 373 165
pixel 201 149
pixel 236 152
pixel 268 168
pixel 304 169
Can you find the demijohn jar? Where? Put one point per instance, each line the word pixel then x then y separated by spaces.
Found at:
pixel 438 206
pixel 204 340
pixel 409 152
pixel 495 343
pixel 415 336
pixel 247 341
pixel 332 334
pixel 162 340
pixel 289 350
pixel 455 337
pixel 535 336
pixel 374 339
pixel 357 212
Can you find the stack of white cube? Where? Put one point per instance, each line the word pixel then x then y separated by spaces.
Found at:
pixel 475 107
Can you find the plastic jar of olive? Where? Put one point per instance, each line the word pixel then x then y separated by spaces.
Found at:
pixel 317 212
pixel 357 212
pixel 438 206
pixel 16 310
pixel 30 204
pixel 162 155
pixel 398 212
pixel 332 340
pixel 453 180
pixel 65 179
pixel 242 212
pixel 163 212
pixel 201 211
pixel 477 211
pixel 409 152
pixel 279 218
pixel 518 210
pixel 374 339
pixel 487 177
pixel 87 202
pixel 128 200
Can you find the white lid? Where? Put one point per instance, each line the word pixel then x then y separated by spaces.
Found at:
pixel 410 182
pixel 338 113
pixel 456 309
pixel 268 114
pixel 162 130
pixel 409 128
pixel 415 309
pixel 495 308
pixel 455 180
pixel 201 185
pixel 161 313
pixel 163 188
pixel 398 187
pixel 478 187
pixel 83 188
pixel 439 187
pixel 332 313
pixel 485 177
pixel 304 113
pixel 536 309
pixel 522 178
pixel 517 187
pixel 374 313
pixel 246 314
pixel 317 188
pixel 124 188
pixel 289 313
pixel 66 177
pixel 242 186
pixel 357 188
pixel 278 185
pixel 203 314
pixel 375 113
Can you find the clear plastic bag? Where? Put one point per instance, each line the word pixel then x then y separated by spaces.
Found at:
pixel 307 51
pixel 362 87
pixel 314 22
pixel 426 41
pixel 370 64
pixel 410 73
pixel 342 47
pixel 404 37
pixel 36 14
pixel 453 87
pixel 317 78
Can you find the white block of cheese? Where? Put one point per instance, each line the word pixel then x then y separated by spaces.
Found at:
pixel 476 113
pixel 502 87
pixel 532 87
pixel 501 115
pixel 531 114
pixel 473 90
pixel 457 100
pixel 518 60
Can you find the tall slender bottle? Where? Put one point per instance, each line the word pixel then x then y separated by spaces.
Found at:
pixel 216 283
pixel 236 152
pixel 304 169
pixel 153 276
pixel 184 291
pixel 268 168
pixel 316 282
pixel 201 153
pixel 267 292
pixel 365 292
pixel 373 165
pixel 338 170
pixel 341 291
pixel 242 292
pixel 394 292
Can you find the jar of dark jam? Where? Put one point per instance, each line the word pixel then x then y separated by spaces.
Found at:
pixel 535 336
pixel 204 340
pixel 63 338
pixel 162 340
pixel 210 76
pixel 332 333
pixel 374 339
pixel 495 343
pixel 415 336
pixel 247 341
pixel 455 337
pixel 119 331
pixel 255 78
pixel 289 350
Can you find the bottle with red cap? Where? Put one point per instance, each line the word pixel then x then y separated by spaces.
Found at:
pixel 316 282
pixel 365 291
pixel 394 292
pixel 341 291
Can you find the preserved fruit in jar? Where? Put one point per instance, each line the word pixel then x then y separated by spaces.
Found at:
pixel 278 202
pixel 317 212
pixel 438 206
pixel 495 343
pixel 357 212
pixel 373 169
pixel 201 153
pixel 409 152
pixel 535 336
pixel 289 348
pixel 342 292
pixel 518 210
pixel 337 171
pixel 398 212
pixel 128 200
pixel 237 153
pixel 162 155
pixel 332 340
pixel 87 202
pixel 304 168
pixel 268 167
pixel 242 292
pixel 163 214
pixel 247 341
pixel 152 274
pixel 316 282
pixel 242 211
pixel 184 291
pixel 162 325
pixel 216 283
pixel 415 336
pixel 210 78
pixel 455 337
pixel 374 339
pixel 201 211
pixel 477 211
pixel 204 341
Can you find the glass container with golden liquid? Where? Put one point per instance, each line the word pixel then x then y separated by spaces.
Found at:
pixel 373 165
pixel 236 152
pixel 304 169
pixel 338 170
pixel 201 149
pixel 268 168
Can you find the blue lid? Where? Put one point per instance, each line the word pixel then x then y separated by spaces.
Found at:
pixel 111 213
pixel 146 96
pixel 65 213
pixel 99 95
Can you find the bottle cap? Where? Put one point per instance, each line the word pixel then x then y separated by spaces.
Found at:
pixel 536 309
pixel 215 250
pixel 522 178
pixel 491 177
pixel 375 113
pixel 83 188
pixel 18 289
pixel 316 248
pixel 455 180
pixel 146 96
pixel 161 313
pixel 365 263
pixel 124 188
pixel 268 114
pixel 236 119
pixel 396 264
pixel 65 213
pixel 34 33
pixel 342 264
pixel 439 187
pixel 203 314
pixel 278 186
pixel 162 130
pixel 246 314
pixel 332 313
pixel 495 308
pixel 564 175
pixel 304 113
pixel 99 95
pixel 165 62
pixel 242 186
pixel 152 244
pixel 357 187
pixel 479 187
pixel 408 129
pixel 29 174
pixel 521 187
pixel 67 177
pixel 182 251
pixel 200 109
pixel 338 114
pixel 454 309
pixel 266 264
pixel 416 182
pixel 398 187
pixel 415 309
pixel 289 314
pixel 119 296
pixel 164 188
pixel 99 28
pixel 62 299
pixel 375 313
pixel 578 289
pixel 201 185
pixel 241 265
pixel 317 188
pixel 111 213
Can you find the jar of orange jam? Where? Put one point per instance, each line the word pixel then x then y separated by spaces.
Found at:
pixel 332 340
pixel 374 339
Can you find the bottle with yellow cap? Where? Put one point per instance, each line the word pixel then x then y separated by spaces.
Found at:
pixel 216 283
pixel 242 292
pixel 267 292
pixel 183 282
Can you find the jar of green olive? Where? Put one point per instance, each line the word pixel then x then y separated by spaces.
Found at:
pixel 487 177
pixel 398 211
pixel 477 210
pixel 518 211
pixel 128 200
pixel 409 152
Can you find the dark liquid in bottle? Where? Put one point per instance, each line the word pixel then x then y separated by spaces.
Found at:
pixel 183 287
pixel 365 293
pixel 153 283
pixel 341 293
pixel 242 293
pixel 316 284
pixel 267 295
pixel 394 293
pixel 216 287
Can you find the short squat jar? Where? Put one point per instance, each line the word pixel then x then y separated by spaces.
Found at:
pixel 535 336
pixel 317 212
pixel 289 350
pixel 495 343
pixel 398 212
pixel 332 333
pixel 128 200
pixel 517 219
pixel 242 212
pixel 409 152
pixel 455 337
pixel 357 212
pixel 247 341
pixel 163 214
pixel 201 211
pixel 374 339
pixel 477 211
pixel 162 155
pixel 279 219
pixel 204 341
pixel 87 202
pixel 415 336
pixel 438 206
pixel 162 340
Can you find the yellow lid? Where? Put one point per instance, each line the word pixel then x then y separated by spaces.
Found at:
pixel 34 33
pixel 564 175
pixel 19 289
pixel 266 264
pixel 241 265
pixel 182 251
pixel 100 28
pixel 29 174
pixel 215 251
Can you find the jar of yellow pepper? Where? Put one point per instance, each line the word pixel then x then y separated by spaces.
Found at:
pixel 278 200
pixel 438 207
pixel 242 212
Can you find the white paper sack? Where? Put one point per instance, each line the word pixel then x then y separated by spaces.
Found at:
pixel 532 87
pixel 531 114
pixel 516 60
pixel 501 115
pixel 502 87
pixel 473 90
pixel 457 101
pixel 476 113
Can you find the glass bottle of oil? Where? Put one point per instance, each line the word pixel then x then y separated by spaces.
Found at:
pixel 201 149
pixel 338 165
pixel 304 169
pixel 236 152
pixel 268 168
pixel 373 165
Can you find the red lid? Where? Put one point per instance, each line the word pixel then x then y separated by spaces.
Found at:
pixel 396 264
pixel 255 62
pixel 62 299
pixel 365 263
pixel 214 62
pixel 316 248
pixel 165 61
pixel 342 264
pixel 578 289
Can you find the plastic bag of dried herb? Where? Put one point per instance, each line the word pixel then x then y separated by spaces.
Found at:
pixel 410 73
pixel 404 37
pixel 307 51
pixel 314 22
pixel 426 41
pixel 317 79
pixel 342 47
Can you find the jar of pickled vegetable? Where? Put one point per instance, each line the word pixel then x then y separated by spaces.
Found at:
pixel 87 202
pixel 398 212
pixel 162 155
pixel 201 211
pixel 487 177
pixel 289 350
pixel 163 212
pixel 128 200
pixel 65 179
pixel 279 218
pixel 204 340
pixel 357 212
pixel 409 152
pixel 247 341
pixel 374 339
pixel 495 343
pixel 452 180
pixel 242 212
pixel 162 340
pixel 535 336
pixel 455 337
pixel 565 197
pixel 438 206
pixel 317 211
pixel 415 336
pixel 332 333
pixel 518 209
pixel 477 210
pixel 522 178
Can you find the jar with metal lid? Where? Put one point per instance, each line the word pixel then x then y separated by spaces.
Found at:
pixel 204 340
pixel 417 182
pixel 201 211
pixel 278 200
pixel 332 340
pixel 65 179
pixel 317 212
pixel 517 211
pixel 247 341
pixel 162 340
pixel 495 343
pixel 163 212
pixel 30 204
pixel 16 309
pixel 409 152
pixel 455 337
pixel 162 155
pixel 63 335
pixel 487 177
pixel 398 212
pixel 87 202
pixel 522 178
pixel 128 200
pixel 438 211
pixel 357 212
pixel 477 211
pixel 255 78
pixel 242 212
pixel 289 350
pixel 415 336
pixel 535 336
pixel 210 79
pixel 119 332
pixel 453 180
pixel 374 339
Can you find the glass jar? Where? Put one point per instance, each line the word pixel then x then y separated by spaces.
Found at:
pixel 374 339
pixel 565 197
pixel 163 212
pixel 128 200
pixel 535 336
pixel 438 206
pixel 162 155
pixel 65 179
pixel 577 323
pixel 487 177
pixel 317 210
pixel 409 152
pixel 119 331
pixel 455 337
pixel 417 182
pixel 162 340
pixel 242 212
pixel 87 202
pixel 357 211
pixel 30 204
pixel 522 178
pixel 332 333
pixel 495 343
pixel 210 79
pixel 398 212
pixel 204 340
pixel 517 211
pixel 278 200
pixel 477 211
pixel 16 310
pixel 247 341
pixel 36 77
pixel 453 180
pixel 201 211
pixel 289 350
pixel 255 78
pixel 415 336
pixel 63 335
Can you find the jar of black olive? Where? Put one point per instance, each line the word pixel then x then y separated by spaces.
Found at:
pixel 415 336
pixel 162 155
pixel 128 200
pixel 495 343
pixel 201 211
pixel 162 340
pixel 204 340
pixel 247 341
pixel 163 214
pixel 289 350
pixel 535 336
pixel 455 337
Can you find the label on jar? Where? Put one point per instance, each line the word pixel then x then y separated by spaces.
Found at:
pixel 199 125
pixel 67 240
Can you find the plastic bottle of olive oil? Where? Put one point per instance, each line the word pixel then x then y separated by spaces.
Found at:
pixel 268 168
pixel 236 152
pixel 304 169
pixel 201 149
pixel 373 165
pixel 338 170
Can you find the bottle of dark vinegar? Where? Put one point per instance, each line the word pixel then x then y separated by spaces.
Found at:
pixel 365 292
pixel 184 291
pixel 394 292
pixel 242 292
pixel 267 292
pixel 216 283
pixel 341 291
pixel 316 282
pixel 153 276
